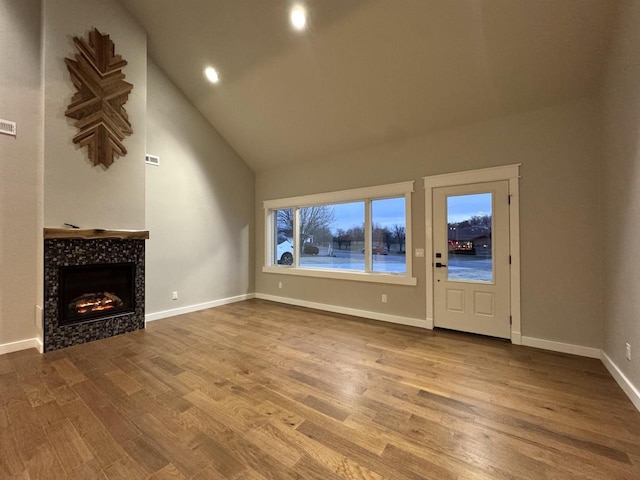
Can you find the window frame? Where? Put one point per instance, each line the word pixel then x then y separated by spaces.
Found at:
pixel 366 195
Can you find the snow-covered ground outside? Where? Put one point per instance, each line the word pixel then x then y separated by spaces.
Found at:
pixel 461 267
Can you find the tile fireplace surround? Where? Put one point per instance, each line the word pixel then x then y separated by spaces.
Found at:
pixel 65 247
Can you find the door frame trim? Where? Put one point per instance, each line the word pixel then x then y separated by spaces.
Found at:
pixel 511 173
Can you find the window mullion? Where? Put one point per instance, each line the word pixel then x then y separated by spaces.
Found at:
pixel 367 236
pixel 296 237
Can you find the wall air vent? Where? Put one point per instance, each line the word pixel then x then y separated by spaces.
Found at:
pixel 7 127
pixel 152 160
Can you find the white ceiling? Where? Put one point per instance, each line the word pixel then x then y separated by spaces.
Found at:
pixel 371 71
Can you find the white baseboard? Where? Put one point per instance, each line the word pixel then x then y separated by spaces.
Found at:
pixel 385 317
pixel 429 323
pixel 561 347
pixel 150 317
pixel 21 345
pixel 627 387
pixel 516 338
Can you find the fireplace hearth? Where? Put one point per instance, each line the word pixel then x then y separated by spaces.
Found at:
pixel 93 285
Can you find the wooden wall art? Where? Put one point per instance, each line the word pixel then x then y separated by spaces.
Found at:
pixel 98 104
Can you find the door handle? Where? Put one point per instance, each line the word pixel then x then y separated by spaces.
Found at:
pixel 440 265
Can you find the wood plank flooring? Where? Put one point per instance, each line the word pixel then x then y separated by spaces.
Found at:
pixel 258 390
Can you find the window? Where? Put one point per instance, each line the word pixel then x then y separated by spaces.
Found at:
pixel 284 237
pixel 359 234
pixel 469 237
pixel 320 224
pixel 388 235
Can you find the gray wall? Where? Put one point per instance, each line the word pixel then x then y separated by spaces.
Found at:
pixel 559 151
pixel 621 191
pixel 74 190
pixel 20 168
pixel 199 206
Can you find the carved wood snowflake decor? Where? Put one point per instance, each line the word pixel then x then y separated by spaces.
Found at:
pixel 98 104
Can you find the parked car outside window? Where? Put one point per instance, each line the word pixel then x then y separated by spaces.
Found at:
pixel 284 250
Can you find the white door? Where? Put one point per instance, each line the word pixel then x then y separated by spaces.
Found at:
pixel 471 258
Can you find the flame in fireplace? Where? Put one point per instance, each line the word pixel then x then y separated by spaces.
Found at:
pixel 95 302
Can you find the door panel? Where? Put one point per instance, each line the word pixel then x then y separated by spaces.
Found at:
pixel 471 258
pixel 483 303
pixel 455 300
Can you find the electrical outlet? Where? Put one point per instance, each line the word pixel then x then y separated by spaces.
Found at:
pixel 175 295
pixel 279 284
pixel 628 354
pixel 384 298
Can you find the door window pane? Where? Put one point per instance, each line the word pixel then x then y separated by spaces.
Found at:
pixel 332 236
pixel 388 235
pixel 469 237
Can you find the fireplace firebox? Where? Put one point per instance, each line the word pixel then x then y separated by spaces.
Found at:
pixel 88 292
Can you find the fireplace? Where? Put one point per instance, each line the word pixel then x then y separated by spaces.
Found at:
pixel 88 292
pixel 93 285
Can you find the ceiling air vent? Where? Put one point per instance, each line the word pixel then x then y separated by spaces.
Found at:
pixel 152 160
pixel 7 127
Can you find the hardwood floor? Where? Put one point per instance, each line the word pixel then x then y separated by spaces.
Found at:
pixel 257 390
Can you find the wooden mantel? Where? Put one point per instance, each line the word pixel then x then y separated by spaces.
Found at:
pixel 93 233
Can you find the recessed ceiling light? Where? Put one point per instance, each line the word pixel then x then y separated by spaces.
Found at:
pixel 298 17
pixel 212 74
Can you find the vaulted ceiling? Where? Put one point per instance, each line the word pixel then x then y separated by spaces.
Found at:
pixel 367 72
